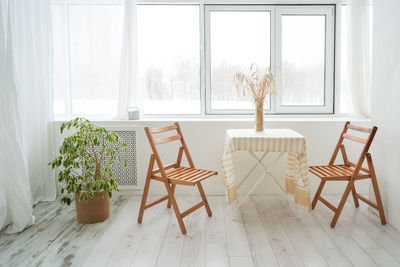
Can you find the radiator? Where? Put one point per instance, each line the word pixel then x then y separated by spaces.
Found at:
pixel 126 176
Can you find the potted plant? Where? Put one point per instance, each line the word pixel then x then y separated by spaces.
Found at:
pixel 86 158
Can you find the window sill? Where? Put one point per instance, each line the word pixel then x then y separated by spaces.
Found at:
pixel 227 118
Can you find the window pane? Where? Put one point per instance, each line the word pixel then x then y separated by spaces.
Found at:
pixel 238 39
pixel 60 60
pixel 303 59
pixel 169 58
pixel 95 45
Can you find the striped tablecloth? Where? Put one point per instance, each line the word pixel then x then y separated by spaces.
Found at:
pixel 270 140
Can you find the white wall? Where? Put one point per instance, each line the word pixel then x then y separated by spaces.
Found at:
pixel 385 104
pixel 205 140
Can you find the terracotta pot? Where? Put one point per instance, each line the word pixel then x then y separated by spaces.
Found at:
pixel 96 209
pixel 259 116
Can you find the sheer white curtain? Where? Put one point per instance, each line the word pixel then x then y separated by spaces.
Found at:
pixel 359 50
pixel 26 135
pixel 128 94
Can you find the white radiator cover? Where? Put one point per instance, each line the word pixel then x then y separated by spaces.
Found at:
pixel 126 177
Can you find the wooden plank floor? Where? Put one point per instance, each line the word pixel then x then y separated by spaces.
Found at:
pixel 266 234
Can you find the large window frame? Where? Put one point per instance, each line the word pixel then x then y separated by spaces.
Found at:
pixel 276 12
pixel 329 13
pixel 207 41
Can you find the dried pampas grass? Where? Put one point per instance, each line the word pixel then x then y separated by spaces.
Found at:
pixel 258 85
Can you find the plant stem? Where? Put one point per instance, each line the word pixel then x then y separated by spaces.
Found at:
pixel 96 162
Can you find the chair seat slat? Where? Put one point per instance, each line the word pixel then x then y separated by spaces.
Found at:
pixel 199 174
pixel 345 170
pixel 328 170
pixel 338 171
pixel 204 177
pixel 179 173
pixel 322 170
pixel 175 170
pixel 188 175
pixel 316 171
pixel 322 175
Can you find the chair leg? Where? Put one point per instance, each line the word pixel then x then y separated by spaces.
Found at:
pixel 173 191
pixel 146 189
pixel 203 197
pixel 376 189
pixel 353 192
pixel 342 202
pixel 176 209
pixel 318 193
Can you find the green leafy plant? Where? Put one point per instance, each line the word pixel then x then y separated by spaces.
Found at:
pixel 92 149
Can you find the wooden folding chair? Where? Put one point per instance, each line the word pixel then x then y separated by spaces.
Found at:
pixel 173 174
pixel 349 172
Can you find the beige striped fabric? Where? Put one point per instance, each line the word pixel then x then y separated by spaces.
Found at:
pixel 270 140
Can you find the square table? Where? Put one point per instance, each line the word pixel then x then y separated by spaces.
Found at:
pixel 269 140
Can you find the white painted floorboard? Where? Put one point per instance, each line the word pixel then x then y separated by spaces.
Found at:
pixel 267 233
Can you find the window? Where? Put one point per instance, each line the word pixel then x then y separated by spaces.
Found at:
pixel 238 37
pixel 87 46
pixel 168 52
pixel 187 55
pixel 296 42
pixel 305 59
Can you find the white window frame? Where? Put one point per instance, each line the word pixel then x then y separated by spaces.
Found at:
pixel 276 12
pixel 221 8
pixel 329 12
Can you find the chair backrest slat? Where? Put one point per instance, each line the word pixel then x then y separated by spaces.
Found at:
pixel 167 139
pixel 163 129
pixel 360 129
pixel 357 139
